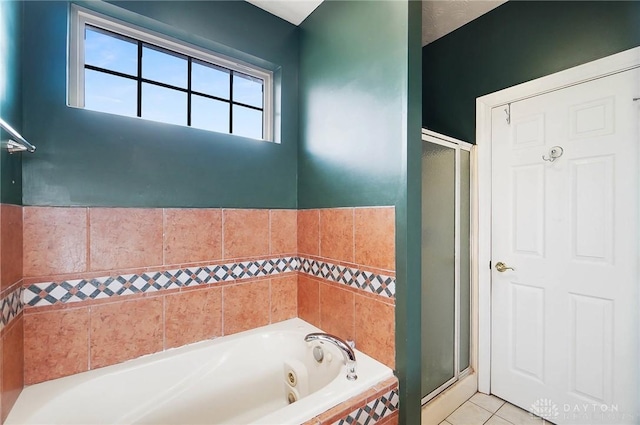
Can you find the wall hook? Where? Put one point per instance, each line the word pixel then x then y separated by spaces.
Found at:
pixel 555 153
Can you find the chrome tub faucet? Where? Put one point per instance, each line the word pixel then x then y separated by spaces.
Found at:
pixel 347 351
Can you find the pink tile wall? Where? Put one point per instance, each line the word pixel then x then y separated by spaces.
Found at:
pixel 284 297
pixel 192 316
pixel 367 319
pixel 336 234
pixel 360 236
pixel 56 344
pixel 309 299
pixel 123 238
pixel 309 232
pixel 246 233
pixel 363 238
pixel 69 338
pixel 192 235
pixel 10 245
pixel 72 243
pixel 12 365
pixel 80 242
pixel 374 237
pixel 55 241
pixel 125 330
pixel 246 307
pixel 11 336
pixel 283 231
pixel 64 340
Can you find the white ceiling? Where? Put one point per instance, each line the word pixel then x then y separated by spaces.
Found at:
pixel 294 11
pixel 439 17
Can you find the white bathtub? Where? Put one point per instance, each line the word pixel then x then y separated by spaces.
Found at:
pixel 237 379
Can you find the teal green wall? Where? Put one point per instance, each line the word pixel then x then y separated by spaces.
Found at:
pixel 360 110
pixel 90 158
pixel 408 235
pixel 517 42
pixel 10 98
pixel 352 70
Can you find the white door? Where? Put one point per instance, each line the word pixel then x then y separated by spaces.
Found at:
pixel 565 320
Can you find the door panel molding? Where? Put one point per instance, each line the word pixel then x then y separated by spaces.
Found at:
pixel 613 64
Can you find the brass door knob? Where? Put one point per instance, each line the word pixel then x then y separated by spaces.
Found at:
pixel 502 267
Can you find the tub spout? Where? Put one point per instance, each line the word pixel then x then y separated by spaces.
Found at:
pixel 347 351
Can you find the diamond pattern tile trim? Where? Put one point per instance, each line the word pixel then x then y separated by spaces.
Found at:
pixel 10 307
pixel 70 291
pixel 355 278
pixel 374 411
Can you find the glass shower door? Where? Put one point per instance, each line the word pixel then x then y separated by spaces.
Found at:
pixel 446 283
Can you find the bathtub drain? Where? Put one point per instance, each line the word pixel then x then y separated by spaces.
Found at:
pixel 292 397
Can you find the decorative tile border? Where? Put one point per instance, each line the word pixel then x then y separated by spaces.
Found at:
pixel 374 411
pixel 355 278
pixel 71 291
pixel 10 307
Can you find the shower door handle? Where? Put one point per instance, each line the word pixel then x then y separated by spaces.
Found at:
pixel 502 267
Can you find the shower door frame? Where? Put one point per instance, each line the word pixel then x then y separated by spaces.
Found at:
pixel 458 145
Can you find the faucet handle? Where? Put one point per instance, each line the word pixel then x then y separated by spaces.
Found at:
pixel 351 343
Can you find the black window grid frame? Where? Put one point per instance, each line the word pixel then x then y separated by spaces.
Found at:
pixel 188 90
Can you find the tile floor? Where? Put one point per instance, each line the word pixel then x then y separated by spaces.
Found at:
pixel 482 409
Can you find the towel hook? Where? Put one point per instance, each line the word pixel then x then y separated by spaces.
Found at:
pixel 555 153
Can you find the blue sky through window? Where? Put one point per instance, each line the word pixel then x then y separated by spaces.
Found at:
pixel 160 65
pixel 107 89
pixel 108 51
pixel 162 104
pixel 247 122
pixel 108 93
pixel 247 90
pixel 210 79
pixel 209 114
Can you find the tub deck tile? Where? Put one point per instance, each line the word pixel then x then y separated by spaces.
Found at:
pixel 341 410
pixel 377 405
pixel 390 420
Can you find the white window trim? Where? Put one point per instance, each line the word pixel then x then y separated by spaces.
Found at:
pixel 80 17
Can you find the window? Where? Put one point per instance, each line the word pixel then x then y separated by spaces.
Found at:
pixel 120 69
